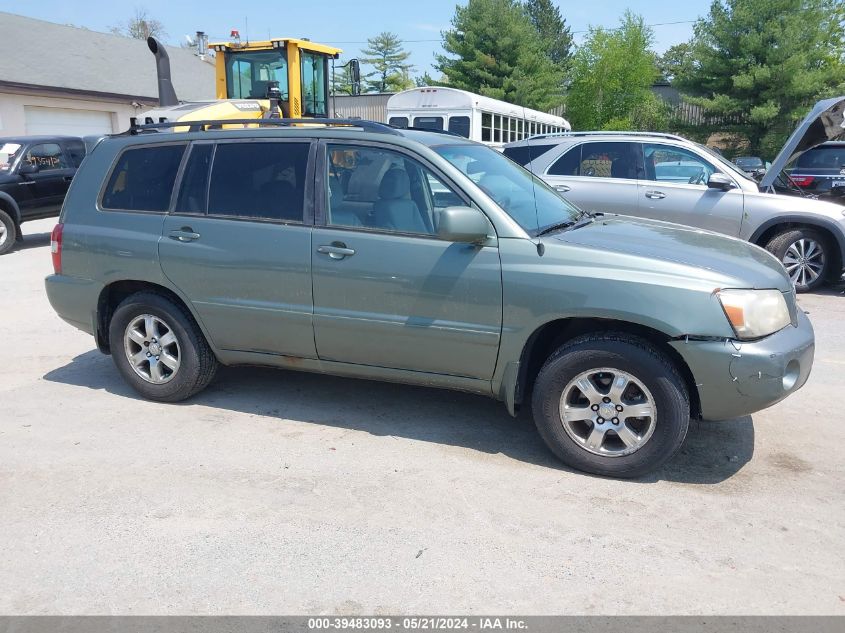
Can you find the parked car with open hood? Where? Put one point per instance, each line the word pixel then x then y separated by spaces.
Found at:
pixel 667 177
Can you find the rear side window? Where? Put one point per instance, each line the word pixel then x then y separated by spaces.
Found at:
pixel 193 193
pixel 76 151
pixel 143 179
pixel 524 154
pixel 262 181
pixel 568 164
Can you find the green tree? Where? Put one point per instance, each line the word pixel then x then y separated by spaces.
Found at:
pixel 342 79
pixel 758 65
pixel 675 61
pixel 493 49
pixel 552 28
pixel 140 26
pixel 611 78
pixel 426 80
pixel 385 54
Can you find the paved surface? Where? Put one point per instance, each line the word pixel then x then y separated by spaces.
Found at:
pixel 278 492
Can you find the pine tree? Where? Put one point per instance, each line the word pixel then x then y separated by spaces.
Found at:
pixel 759 65
pixel 552 29
pixel 385 54
pixel 493 49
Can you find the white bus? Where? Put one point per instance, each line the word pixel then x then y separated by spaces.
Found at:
pixel 475 117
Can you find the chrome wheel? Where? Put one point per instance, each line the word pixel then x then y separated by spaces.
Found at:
pixel 152 349
pixel 608 412
pixel 804 261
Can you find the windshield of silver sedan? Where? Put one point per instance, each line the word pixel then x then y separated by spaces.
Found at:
pixel 528 200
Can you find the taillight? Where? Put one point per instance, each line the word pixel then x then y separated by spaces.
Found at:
pixel 802 181
pixel 56 247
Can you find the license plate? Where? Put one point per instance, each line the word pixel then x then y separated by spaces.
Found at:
pixel 838 183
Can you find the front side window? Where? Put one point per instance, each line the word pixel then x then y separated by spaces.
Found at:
pixel 374 188
pixel 8 154
pixel 527 199
pixel 259 181
pixel 665 163
pixel 610 160
pixel 143 178
pixel 46 157
pixel 314 84
pixel 249 73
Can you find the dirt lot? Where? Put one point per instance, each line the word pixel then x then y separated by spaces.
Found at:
pixel 278 492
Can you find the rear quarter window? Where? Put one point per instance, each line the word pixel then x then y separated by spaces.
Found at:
pixel 524 154
pixel 143 178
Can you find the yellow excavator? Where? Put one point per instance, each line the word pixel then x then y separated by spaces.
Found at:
pixel 283 78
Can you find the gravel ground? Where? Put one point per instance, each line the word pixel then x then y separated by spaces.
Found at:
pixel 276 492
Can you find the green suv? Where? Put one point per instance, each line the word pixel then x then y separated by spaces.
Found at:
pixel 360 250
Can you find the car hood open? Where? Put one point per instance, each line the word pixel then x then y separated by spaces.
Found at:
pixel 825 122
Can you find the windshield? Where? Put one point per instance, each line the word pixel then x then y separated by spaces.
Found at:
pixel 8 153
pixel 528 200
pixel 749 162
pixel 249 73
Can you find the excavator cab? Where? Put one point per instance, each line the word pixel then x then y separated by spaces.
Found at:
pixel 298 68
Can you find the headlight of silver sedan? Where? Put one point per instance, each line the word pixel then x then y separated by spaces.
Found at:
pixel 755 313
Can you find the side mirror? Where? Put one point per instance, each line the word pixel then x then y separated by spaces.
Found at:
pixel 463 224
pixel 26 168
pixel 720 181
pixel 355 75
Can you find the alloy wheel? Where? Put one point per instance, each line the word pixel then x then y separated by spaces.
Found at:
pixel 608 412
pixel 152 349
pixel 804 261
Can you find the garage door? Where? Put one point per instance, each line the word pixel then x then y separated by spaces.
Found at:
pixel 41 120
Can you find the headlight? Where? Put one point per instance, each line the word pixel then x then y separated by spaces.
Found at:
pixel 755 313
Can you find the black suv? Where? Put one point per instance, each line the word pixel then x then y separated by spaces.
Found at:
pixel 35 172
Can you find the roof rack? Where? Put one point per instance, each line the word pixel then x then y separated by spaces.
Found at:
pixel 217 124
pixel 674 137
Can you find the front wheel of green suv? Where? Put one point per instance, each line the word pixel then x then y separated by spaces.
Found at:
pixel 159 349
pixel 611 404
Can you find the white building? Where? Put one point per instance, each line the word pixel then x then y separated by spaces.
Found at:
pixel 57 79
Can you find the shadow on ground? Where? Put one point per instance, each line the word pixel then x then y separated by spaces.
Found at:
pixel 713 451
pixel 34 240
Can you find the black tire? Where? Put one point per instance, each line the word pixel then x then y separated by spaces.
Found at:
pixel 10 233
pixel 779 246
pixel 197 363
pixel 624 353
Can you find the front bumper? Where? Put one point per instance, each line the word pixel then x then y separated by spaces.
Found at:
pixel 736 378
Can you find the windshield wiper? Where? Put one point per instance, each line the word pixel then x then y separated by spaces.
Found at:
pixel 569 225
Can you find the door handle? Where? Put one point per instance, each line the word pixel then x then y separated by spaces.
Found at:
pixel 336 250
pixel 563 188
pixel 185 234
pixel 655 195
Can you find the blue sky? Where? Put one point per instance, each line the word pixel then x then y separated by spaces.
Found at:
pixel 346 24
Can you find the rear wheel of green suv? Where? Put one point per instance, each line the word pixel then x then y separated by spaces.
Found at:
pixel 159 349
pixel 611 404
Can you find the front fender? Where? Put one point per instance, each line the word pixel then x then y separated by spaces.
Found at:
pixel 9 202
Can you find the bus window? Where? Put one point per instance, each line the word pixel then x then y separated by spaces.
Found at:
pixel 399 121
pixel 459 125
pixel 429 122
pixel 497 128
pixel 486 127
